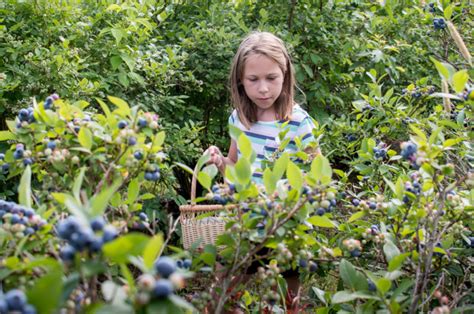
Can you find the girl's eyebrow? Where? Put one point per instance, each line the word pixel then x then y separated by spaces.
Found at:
pixel 268 74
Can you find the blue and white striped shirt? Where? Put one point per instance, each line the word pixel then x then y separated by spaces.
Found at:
pixel 264 135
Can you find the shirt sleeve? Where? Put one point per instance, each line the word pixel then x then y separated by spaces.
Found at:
pixel 305 131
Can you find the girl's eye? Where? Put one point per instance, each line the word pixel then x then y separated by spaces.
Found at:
pixel 271 78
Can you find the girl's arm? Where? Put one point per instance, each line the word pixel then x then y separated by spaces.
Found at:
pixel 218 159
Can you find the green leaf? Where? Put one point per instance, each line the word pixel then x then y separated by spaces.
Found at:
pixel 121 104
pixel 243 171
pixel 7 135
pixel 280 166
pixel 269 181
pixel 448 12
pixel 125 246
pixel 205 180
pixel 459 81
pixel 397 261
pixel 322 221
pixel 245 146
pixel 85 138
pixel 150 254
pixel 442 70
pixel 159 139
pixel 383 285
pixel 294 175
pixel 100 201
pixel 113 293
pixel 347 296
pixel 46 292
pixel 356 216
pixel 76 189
pixel 234 132
pixel 321 169
pixel 390 250
pixel 351 277
pixel 133 191
pixel 24 189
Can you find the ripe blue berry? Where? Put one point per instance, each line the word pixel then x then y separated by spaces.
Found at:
pixel 355 253
pixel 303 263
pixel 142 122
pixel 23 114
pixel 15 299
pixel 18 154
pixel 67 253
pixel 143 216
pixel 313 266
pixel 372 286
pixel 98 223
pixel 187 262
pixel 165 266
pixel 48 103
pixel 122 124
pixel 51 144
pixel 109 234
pixel 2 156
pixel 3 306
pixel 320 211
pixel 138 155
pixel 355 202
pixel 163 288
pixel 132 140
pixel 27 161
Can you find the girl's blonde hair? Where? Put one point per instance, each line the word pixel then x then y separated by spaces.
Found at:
pixel 267 44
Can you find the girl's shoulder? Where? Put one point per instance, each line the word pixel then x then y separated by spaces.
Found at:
pixel 299 114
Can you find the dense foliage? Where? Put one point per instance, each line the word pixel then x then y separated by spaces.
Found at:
pixel 106 108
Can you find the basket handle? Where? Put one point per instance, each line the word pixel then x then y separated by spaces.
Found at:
pixel 193 184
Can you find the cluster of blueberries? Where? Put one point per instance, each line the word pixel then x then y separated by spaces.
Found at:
pixel 5 165
pixel 222 195
pixel 439 23
pixel 351 137
pixel 25 115
pixel 417 92
pixel 82 237
pixel 21 219
pixel 153 175
pixel 19 153
pixel 413 188
pixel 409 150
pixel 371 205
pixel 380 152
pixel 165 266
pixel 14 301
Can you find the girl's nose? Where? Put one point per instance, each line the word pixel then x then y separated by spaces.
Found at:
pixel 263 87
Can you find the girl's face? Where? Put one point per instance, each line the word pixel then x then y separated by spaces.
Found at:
pixel 262 80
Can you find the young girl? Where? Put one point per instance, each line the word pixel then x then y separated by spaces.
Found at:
pixel 262 85
pixel 262 88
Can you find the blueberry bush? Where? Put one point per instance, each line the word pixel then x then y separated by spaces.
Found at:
pixel 107 108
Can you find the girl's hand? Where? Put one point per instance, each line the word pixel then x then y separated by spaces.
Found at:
pixel 216 157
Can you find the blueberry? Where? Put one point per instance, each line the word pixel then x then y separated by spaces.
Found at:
pixel 355 202
pixel 98 223
pixel 163 288
pixel 165 266
pixel 29 212
pixel 179 263
pixel 18 154
pixel 5 167
pixel 2 212
pixel 156 176
pixel 27 161
pixel 471 240
pixel 372 205
pixel 23 114
pixel 2 156
pixel 3 306
pixel 48 103
pixel 109 234
pixel 95 245
pixel 142 122
pixel 67 227
pixel 313 266
pixel 215 188
pixel 320 211
pixel 51 144
pixel 67 253
pixel 372 286
pixel 303 263
pixel 143 216
pixel 187 263
pixel 149 176
pixel 31 117
pixel 15 219
pixel 122 124
pixel 138 155
pixel 81 239
pixel 263 212
pixel 132 140
pixel 29 231
pixel 15 299
pixel 29 309
pixel 355 253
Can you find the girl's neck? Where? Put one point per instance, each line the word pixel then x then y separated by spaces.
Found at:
pixel 268 114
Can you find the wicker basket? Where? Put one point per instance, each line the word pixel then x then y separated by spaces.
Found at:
pixel 205 230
